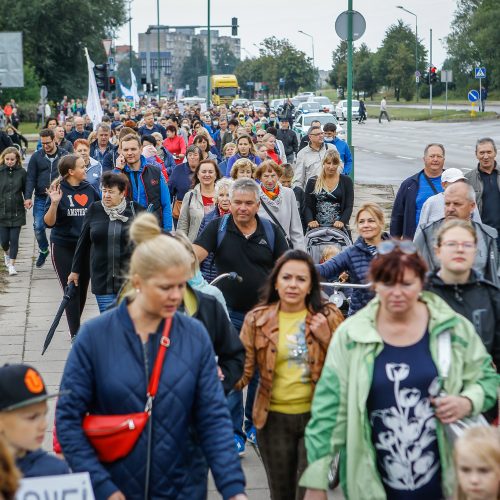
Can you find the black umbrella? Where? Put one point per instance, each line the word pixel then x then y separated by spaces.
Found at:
pixel 69 293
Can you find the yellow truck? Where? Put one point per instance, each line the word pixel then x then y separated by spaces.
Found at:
pixel 224 89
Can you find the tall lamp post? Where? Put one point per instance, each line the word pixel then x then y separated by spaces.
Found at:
pixel 312 43
pixel 416 43
pixel 130 33
pixel 158 42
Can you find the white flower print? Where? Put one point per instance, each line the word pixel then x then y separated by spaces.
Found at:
pixel 410 429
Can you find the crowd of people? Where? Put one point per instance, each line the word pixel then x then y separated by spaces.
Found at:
pixel 150 206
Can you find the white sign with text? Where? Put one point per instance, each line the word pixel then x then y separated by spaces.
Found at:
pixel 65 487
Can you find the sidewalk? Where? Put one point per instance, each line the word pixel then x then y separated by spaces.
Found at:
pixel 29 301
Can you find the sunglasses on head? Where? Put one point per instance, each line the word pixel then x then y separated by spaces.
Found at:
pixel 404 246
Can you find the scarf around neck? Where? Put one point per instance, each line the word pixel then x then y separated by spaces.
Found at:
pixel 115 213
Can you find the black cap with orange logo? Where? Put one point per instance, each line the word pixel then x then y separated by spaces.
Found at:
pixel 20 386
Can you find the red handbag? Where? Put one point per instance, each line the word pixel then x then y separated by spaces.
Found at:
pixel 114 436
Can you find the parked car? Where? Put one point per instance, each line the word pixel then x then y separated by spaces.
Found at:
pixel 303 122
pixel 301 98
pixel 276 103
pixel 308 94
pixel 239 102
pixel 307 107
pixel 324 103
pixel 341 109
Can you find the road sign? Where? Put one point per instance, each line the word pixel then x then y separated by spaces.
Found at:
pixel 473 96
pixel 43 92
pixel 418 74
pixel 447 76
pixel 480 73
pixel 250 84
pixel 417 79
pixel 107 45
pixel 358 25
pixel 111 63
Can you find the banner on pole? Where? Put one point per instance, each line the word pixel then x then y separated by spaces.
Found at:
pixel 94 109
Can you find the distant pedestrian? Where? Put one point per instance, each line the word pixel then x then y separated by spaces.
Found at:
pixel 383 110
pixel 484 96
pixel 12 212
pixel 362 111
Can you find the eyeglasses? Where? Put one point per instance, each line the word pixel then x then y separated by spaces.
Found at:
pixel 454 245
pixel 47 143
pixel 315 135
pixel 261 135
pixel 404 246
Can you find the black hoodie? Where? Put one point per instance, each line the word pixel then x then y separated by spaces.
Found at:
pixel 71 210
pixel 479 301
pixel 40 463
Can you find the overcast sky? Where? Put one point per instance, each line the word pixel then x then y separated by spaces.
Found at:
pixel 259 19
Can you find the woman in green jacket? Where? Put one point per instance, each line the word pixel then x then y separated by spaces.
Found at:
pixel 12 211
pixel 373 402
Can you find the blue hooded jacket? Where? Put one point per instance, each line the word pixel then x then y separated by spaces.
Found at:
pixel 108 370
pixel 345 154
pixel 39 463
pixel 139 193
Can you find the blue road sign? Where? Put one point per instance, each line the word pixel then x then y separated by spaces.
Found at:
pixel 480 73
pixel 250 84
pixel 473 96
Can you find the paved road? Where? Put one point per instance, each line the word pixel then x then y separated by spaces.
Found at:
pixel 387 153
pixel 466 106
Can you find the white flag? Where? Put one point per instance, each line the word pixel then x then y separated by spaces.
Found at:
pixel 127 93
pixel 93 109
pixel 133 87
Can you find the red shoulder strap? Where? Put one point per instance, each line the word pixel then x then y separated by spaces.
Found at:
pixel 164 345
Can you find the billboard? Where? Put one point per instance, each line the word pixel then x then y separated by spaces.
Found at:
pixel 11 59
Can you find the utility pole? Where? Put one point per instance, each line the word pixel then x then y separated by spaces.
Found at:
pixel 130 34
pixel 349 78
pixel 158 43
pixel 209 56
pixel 430 82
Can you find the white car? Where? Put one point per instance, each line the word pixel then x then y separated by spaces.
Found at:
pixel 341 109
pixel 308 94
pixel 303 122
pixel 275 103
pixel 324 103
pixel 307 107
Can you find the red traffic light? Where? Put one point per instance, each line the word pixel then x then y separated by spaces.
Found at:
pixel 433 69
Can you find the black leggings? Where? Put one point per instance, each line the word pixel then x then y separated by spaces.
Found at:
pixel 62 258
pixel 9 239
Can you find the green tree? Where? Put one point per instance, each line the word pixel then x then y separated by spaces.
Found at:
pixel 364 75
pixel 194 66
pixel 225 60
pixel 395 61
pixel 55 33
pixel 475 41
pixel 338 74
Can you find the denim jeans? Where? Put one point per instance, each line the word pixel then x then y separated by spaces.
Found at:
pixel 104 302
pixel 235 398
pixel 39 224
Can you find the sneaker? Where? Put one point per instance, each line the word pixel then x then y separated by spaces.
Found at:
pixel 42 257
pixel 252 436
pixel 12 270
pixel 239 444
pixel 6 260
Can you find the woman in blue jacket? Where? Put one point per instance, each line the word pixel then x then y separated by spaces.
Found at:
pixel 108 371
pixel 355 260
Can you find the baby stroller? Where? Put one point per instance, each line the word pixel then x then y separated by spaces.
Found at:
pixel 317 241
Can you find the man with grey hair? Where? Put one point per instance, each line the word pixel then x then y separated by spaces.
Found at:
pixel 485 179
pixel 79 131
pixel 102 146
pixel 414 192
pixel 244 243
pixel 459 203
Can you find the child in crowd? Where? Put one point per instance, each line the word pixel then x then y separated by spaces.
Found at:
pixel 23 420
pixel 477 464
pixel 243 168
pixel 12 212
pixel 286 181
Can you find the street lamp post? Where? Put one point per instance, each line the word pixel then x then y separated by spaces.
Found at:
pixel 416 44
pixel 209 56
pixel 130 32
pixel 158 43
pixel 312 43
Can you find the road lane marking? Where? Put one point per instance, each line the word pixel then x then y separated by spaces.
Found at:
pixel 405 157
pixel 378 153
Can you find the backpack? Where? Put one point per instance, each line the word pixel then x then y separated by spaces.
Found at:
pixel 268 229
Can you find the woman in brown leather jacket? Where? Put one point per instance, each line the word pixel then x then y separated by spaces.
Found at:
pixel 286 338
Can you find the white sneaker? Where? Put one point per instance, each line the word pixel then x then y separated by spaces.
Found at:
pixel 12 270
pixel 6 260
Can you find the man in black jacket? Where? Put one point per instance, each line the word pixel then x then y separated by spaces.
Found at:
pixel 5 141
pixel 42 170
pixel 289 139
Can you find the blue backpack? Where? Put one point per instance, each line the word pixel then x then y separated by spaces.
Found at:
pixel 268 229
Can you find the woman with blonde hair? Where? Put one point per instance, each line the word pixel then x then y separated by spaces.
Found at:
pixel 330 195
pixel 278 204
pixel 189 391
pixel 356 259
pixel 477 464
pixel 243 168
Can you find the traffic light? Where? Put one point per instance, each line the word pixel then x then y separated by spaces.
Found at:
pixel 111 84
pixel 234 26
pixel 101 76
pixel 433 77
